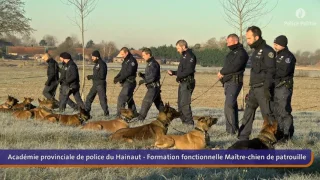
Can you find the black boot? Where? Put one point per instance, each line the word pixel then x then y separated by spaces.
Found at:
pixel 106 113
pixel 62 110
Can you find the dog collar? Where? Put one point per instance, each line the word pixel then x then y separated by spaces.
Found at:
pixel 8 105
pixel 126 119
pixel 268 141
pixel 165 125
pixel 196 128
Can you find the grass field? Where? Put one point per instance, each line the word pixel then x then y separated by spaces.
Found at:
pixel 24 81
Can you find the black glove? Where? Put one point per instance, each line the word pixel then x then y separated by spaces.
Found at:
pixel 89 77
pixel 47 83
pixel 178 79
pixel 140 74
pixel 267 94
pixel 141 82
pixel 115 80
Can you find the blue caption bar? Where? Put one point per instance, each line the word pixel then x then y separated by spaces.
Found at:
pixel 155 157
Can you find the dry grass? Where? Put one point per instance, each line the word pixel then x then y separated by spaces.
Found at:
pixel 15 134
pixel 29 81
pixel 30 134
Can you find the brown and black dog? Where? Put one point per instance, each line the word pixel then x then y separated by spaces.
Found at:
pixel 70 120
pixel 265 140
pixel 194 140
pixel 10 102
pixel 39 113
pixel 21 106
pixel 153 130
pixel 111 126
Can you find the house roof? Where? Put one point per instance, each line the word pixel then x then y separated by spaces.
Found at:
pixel 26 50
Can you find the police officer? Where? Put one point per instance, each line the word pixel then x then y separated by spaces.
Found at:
pixel 185 78
pixel 51 84
pixel 261 81
pixel 151 79
pixel 231 75
pixel 283 88
pixel 127 78
pixel 99 83
pixel 62 71
pixel 70 82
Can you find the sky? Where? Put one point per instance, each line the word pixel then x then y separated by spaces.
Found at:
pixel 145 23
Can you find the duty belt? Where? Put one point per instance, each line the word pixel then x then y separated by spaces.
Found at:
pixel 187 79
pixel 153 84
pixel 281 84
pixel 256 85
pixel 131 80
pixel 288 83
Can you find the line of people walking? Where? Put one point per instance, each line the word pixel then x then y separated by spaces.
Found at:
pixel 271 83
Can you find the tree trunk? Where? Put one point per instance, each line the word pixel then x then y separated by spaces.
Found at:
pixel 83 53
pixel 241 41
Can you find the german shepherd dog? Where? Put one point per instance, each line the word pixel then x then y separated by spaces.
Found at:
pixel 194 140
pixel 112 126
pixel 21 106
pixel 30 111
pixel 70 120
pixel 10 102
pixel 265 140
pixel 153 130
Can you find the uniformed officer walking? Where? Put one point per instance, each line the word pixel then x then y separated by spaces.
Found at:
pixel 127 78
pixel 283 88
pixel 231 75
pixel 151 78
pixel 70 82
pixel 261 81
pixel 62 78
pixel 185 78
pixel 99 84
pixel 51 84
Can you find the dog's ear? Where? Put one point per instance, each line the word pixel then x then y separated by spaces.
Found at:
pixel 196 118
pixel 214 120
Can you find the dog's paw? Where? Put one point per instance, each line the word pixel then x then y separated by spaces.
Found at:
pixel 216 148
pixel 150 147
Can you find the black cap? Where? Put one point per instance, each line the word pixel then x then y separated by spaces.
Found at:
pixel 96 54
pixel 281 40
pixel 65 55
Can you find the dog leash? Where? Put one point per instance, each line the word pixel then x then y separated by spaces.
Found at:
pixel 133 93
pixel 205 91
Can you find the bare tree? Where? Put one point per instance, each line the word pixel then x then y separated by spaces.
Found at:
pixel 12 19
pixel 240 13
pixel 29 41
pixel 12 39
pixel 107 49
pixel 83 9
pixel 50 40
